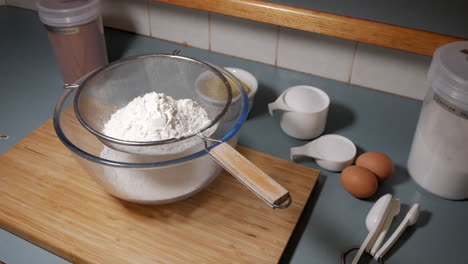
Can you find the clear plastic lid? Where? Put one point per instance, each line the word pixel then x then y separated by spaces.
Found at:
pixel 68 13
pixel 448 73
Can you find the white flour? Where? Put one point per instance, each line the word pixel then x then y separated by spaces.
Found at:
pixel 155 117
pixel 438 157
pixel 155 185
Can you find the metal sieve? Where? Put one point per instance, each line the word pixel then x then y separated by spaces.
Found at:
pixel 112 87
pixel 115 85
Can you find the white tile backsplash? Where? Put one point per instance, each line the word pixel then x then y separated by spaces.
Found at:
pixel 316 54
pixel 391 70
pixel 28 4
pixel 179 24
pixel 128 15
pixel 244 38
pixel 375 67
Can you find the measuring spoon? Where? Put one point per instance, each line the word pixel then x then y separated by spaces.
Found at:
pixel 394 210
pixel 378 211
pixel 331 152
pixel 410 219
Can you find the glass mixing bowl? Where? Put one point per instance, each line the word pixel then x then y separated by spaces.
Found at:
pixel 147 179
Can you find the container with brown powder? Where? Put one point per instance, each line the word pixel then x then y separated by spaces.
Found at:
pixel 76 34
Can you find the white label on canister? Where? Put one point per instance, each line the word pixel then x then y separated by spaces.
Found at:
pixel 450 107
pixel 63 30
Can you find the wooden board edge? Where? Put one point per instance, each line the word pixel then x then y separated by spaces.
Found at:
pixel 361 30
pixel 59 252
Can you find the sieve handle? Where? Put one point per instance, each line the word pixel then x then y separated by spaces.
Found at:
pixel 255 179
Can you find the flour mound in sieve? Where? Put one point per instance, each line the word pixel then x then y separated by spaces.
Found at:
pixel 156 116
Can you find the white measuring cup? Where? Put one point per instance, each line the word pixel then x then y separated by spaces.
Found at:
pixel 305 110
pixel 331 152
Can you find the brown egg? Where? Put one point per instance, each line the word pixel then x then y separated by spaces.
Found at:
pixel 359 182
pixel 378 163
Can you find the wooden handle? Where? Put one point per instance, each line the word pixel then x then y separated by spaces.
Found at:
pixel 249 174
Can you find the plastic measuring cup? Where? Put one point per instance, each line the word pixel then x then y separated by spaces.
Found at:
pixel 331 152
pixel 305 110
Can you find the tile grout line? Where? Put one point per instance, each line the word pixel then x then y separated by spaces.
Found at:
pixel 149 17
pixel 352 62
pixel 277 45
pixel 209 31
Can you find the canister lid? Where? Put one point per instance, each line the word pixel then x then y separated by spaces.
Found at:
pixel 448 73
pixel 67 13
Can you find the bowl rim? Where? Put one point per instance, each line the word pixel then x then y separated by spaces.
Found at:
pixel 93 158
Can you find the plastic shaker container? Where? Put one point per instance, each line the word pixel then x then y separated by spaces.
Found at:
pixel 438 159
pixel 76 34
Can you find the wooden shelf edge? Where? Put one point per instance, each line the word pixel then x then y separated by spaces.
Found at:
pixel 391 36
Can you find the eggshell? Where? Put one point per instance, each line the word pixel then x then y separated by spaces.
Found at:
pixel 378 163
pixel 359 181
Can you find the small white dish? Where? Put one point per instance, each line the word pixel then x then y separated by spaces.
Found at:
pixel 331 152
pixel 213 94
pixel 248 79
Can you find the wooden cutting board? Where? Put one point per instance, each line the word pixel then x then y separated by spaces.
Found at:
pixel 46 198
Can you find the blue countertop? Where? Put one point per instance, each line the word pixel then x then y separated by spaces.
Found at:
pixel 332 221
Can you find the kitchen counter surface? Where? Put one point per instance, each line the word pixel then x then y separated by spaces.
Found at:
pixel 332 221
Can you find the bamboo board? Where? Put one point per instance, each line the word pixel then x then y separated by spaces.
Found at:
pixel 46 198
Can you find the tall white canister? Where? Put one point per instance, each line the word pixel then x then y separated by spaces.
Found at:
pixel 438 160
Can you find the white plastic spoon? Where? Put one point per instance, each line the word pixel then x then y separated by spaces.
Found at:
pixel 378 211
pixel 394 210
pixel 331 152
pixel 410 219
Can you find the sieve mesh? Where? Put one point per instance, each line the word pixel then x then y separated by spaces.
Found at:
pixel 114 86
